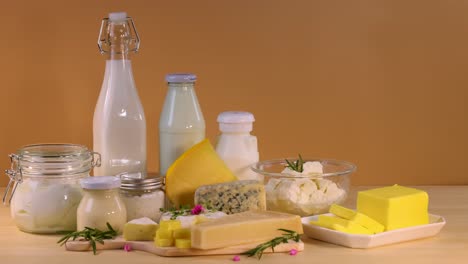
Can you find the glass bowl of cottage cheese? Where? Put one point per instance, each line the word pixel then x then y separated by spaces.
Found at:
pixel 305 187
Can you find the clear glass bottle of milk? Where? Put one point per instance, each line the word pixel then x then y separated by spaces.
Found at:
pixel 181 124
pixel 236 146
pixel 119 125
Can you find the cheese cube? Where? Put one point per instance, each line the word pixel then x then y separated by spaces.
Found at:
pixel 142 229
pixel 164 234
pixel 183 243
pixel 164 242
pixel 395 206
pixel 357 217
pixel 243 228
pixel 182 233
pixel 233 197
pixel 170 224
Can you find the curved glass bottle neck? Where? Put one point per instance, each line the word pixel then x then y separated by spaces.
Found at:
pixel 117 55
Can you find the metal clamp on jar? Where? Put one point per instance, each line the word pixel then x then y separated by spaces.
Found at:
pixel 142 197
pixel 44 189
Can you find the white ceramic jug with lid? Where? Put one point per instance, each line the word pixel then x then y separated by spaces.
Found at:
pixel 236 146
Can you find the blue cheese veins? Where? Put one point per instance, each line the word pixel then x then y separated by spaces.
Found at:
pixel 232 197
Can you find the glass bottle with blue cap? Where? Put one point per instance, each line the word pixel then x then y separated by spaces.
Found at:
pixel 181 124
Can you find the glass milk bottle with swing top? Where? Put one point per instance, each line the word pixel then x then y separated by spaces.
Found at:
pixel 119 125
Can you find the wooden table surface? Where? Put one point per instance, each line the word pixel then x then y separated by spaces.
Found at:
pixel 450 246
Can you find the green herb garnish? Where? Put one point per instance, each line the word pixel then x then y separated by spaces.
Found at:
pixel 175 212
pixel 185 210
pixel 92 235
pixel 258 251
pixel 297 165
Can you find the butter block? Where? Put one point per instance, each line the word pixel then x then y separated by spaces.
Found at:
pixel 233 197
pixel 357 217
pixel 395 206
pixel 327 220
pixel 341 224
pixel 352 229
pixel 142 229
pixel 243 228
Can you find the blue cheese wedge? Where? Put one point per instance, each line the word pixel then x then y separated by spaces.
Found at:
pixel 232 197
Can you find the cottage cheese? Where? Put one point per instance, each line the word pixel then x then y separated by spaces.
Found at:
pixel 303 196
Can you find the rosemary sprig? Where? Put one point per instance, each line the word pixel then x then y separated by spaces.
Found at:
pixel 258 251
pixel 297 165
pixel 92 235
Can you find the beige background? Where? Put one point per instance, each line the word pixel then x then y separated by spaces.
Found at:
pixel 380 83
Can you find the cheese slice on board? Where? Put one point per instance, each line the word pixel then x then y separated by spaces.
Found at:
pixel 243 228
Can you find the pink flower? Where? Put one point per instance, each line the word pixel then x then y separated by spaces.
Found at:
pixel 236 258
pixel 197 209
pixel 293 252
pixel 127 247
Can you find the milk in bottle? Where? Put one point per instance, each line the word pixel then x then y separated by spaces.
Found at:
pixel 119 125
pixel 181 124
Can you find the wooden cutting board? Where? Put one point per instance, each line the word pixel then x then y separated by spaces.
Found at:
pixel 148 246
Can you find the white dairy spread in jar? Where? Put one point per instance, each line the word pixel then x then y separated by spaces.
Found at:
pixel 46 206
pixel 143 197
pixel 302 195
pixel 101 204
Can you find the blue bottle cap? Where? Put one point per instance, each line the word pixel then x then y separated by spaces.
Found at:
pixel 181 78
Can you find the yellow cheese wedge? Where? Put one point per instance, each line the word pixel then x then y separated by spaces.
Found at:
pixel 357 217
pixel 200 165
pixel 142 229
pixel 243 228
pixel 395 206
pixel 183 243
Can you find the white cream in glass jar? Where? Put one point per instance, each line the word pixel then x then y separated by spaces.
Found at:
pixel 142 197
pixel 44 189
pixel 101 204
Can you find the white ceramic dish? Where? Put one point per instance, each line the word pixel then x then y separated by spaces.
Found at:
pixel 369 241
